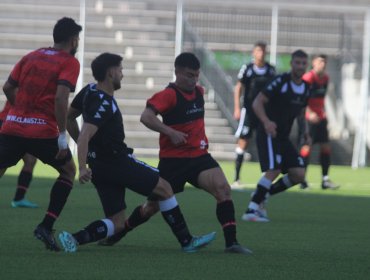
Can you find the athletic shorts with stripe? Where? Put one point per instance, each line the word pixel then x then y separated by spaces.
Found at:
pixel 111 178
pixel 247 123
pixel 277 154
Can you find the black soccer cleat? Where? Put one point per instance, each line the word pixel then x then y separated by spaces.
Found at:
pixel 304 185
pixel 46 236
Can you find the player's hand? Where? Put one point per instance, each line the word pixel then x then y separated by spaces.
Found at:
pixel 85 175
pixel 270 128
pixel 178 138
pixel 63 145
pixel 313 117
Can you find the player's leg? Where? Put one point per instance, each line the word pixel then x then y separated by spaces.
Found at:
pixel 46 150
pixel 325 152
pixel 139 215
pixel 268 149
pixel 213 180
pixel 293 168
pixel 325 155
pixel 11 151
pixel 242 133
pixel 24 180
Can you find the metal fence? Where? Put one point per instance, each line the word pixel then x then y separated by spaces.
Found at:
pixel 341 32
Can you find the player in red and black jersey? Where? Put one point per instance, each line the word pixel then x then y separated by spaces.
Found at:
pixel 183 143
pixel 112 167
pixel 317 120
pixel 277 106
pixel 183 151
pixel 38 89
pixel 25 176
pixel 252 78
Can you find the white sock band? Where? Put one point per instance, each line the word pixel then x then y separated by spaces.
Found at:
pixel 264 182
pixel 287 181
pixel 110 226
pixel 239 151
pixel 168 204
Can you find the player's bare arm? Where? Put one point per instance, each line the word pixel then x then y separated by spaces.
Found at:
pixel 72 125
pixel 151 121
pixel 238 90
pixel 259 109
pixel 87 132
pixel 61 106
pixel 306 135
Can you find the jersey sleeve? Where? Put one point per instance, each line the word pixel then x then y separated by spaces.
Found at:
pixel 69 74
pixel 162 101
pixel 96 109
pixel 77 102
pixel 241 74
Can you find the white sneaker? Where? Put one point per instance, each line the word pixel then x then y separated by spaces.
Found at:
pixel 254 216
pixel 262 211
pixel 236 185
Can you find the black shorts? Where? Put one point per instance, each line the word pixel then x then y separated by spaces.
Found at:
pixel 247 124
pixel 179 171
pixel 319 132
pixel 112 178
pixel 277 154
pixel 13 148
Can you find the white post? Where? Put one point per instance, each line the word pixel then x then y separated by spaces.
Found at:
pixel 179 27
pixel 360 145
pixel 81 52
pixel 274 34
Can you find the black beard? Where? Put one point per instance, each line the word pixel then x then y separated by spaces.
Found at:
pixel 73 51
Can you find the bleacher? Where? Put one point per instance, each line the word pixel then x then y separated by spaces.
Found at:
pixel 140 31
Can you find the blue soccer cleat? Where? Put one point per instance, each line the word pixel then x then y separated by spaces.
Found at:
pixel 198 242
pixel 69 243
pixel 23 203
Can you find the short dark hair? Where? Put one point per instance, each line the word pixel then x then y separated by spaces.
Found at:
pixel 299 53
pixel 321 55
pixel 64 29
pixel 187 60
pixel 261 44
pixel 102 63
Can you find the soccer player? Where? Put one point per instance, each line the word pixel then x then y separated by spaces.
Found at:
pixel 252 78
pixel 25 176
pixel 318 80
pixel 276 107
pixel 38 89
pixel 183 151
pixel 113 168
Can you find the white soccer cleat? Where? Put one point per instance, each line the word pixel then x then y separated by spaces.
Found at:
pixel 254 216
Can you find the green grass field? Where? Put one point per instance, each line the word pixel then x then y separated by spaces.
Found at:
pixel 313 234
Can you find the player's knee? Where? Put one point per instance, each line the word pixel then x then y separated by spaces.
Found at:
pixel 68 170
pixel 325 149
pixel 222 192
pixel 29 162
pixel 163 189
pixel 297 176
pixel 150 208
